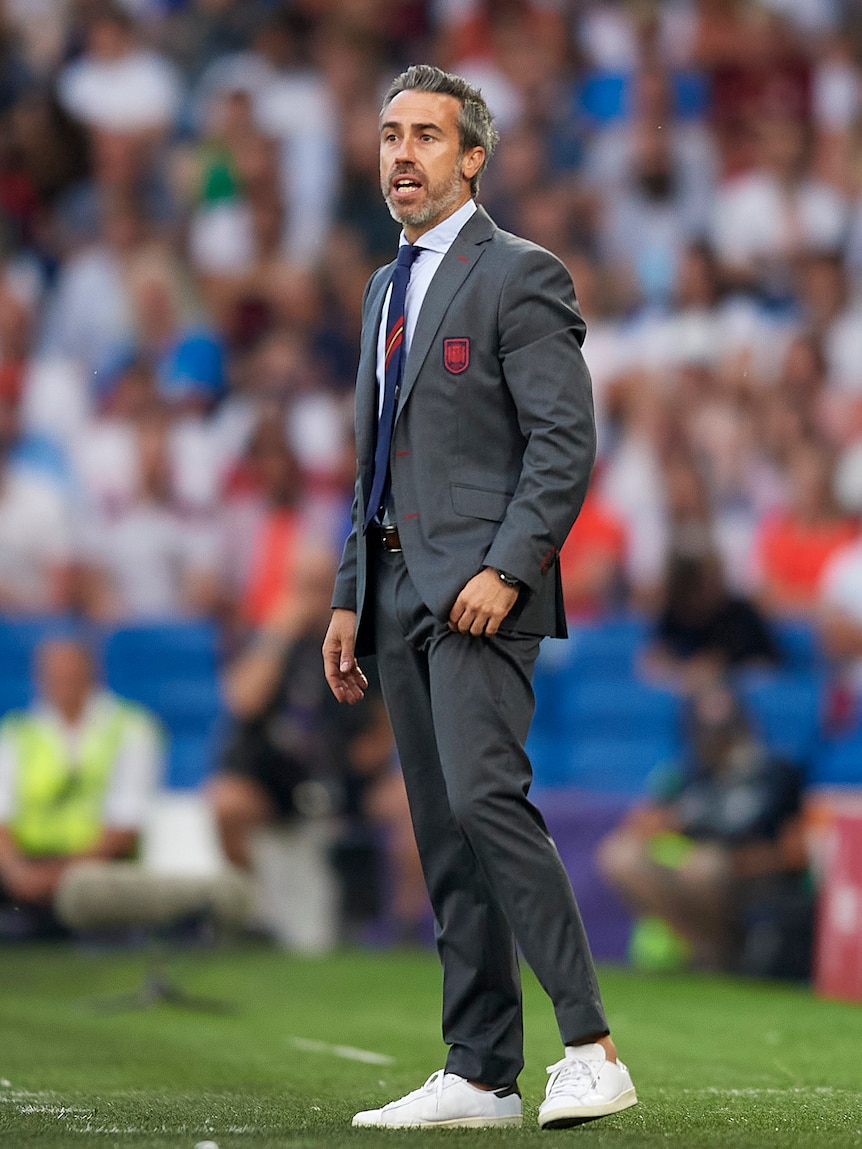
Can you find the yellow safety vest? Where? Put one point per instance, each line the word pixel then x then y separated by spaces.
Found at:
pixel 60 803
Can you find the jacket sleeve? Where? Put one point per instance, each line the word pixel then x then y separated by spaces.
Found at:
pixel 540 333
pixel 344 593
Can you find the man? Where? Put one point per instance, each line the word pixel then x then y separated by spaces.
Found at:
pixel 292 750
pixel 77 771
pixel 714 863
pixel 450 574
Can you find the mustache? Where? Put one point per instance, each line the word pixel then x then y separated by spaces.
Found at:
pixel 404 170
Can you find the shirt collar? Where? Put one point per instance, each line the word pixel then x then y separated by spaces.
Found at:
pixel 441 237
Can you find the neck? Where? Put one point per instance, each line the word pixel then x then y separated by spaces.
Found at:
pixel 73 713
pixel 412 233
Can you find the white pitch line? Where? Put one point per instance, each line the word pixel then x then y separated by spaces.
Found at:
pixel 81 1120
pixel 713 1090
pixel 348 1052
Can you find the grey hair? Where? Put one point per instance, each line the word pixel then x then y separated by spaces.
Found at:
pixel 475 122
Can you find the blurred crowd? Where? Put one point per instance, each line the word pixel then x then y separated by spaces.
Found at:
pixel 189 211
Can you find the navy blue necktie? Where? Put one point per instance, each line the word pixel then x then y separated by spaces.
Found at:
pixel 393 371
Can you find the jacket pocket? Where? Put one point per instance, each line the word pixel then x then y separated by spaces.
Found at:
pixel 478 503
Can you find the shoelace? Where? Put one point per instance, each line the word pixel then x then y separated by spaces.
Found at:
pixel 573 1074
pixel 434 1084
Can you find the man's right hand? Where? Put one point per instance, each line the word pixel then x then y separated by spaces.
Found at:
pixel 346 680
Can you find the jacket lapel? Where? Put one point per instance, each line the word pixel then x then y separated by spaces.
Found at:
pixel 366 379
pixel 458 262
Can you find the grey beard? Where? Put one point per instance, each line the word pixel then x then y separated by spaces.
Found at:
pixel 433 208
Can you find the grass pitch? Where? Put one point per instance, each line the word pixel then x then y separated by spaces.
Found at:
pixel 717 1063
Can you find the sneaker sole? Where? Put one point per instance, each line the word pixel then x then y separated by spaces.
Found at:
pixel 566 1117
pixel 455 1123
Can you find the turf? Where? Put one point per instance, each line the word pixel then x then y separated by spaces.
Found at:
pixel 716 1062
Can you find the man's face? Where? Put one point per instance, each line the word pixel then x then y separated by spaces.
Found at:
pixel 424 176
pixel 65 676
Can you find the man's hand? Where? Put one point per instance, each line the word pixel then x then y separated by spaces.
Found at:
pixel 482 604
pixel 346 680
pixel 34 880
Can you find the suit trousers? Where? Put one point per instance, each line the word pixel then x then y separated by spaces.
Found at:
pixel 460 708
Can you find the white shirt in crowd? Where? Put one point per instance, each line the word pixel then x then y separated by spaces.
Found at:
pixel 35 538
pixel 141 90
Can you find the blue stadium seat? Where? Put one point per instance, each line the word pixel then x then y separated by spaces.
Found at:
pixel 172 668
pixel 607 649
pixel 177 649
pixel 797 640
pixel 550 756
pixel 621 708
pixel 16 691
pixel 191 758
pixel 550 679
pixel 602 96
pixel 618 765
pixel 837 763
pixel 601 651
pixel 183 704
pixel 18 636
pixel 787 711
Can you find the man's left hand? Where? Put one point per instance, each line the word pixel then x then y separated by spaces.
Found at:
pixel 482 604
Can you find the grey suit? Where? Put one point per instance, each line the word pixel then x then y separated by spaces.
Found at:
pixel 492 449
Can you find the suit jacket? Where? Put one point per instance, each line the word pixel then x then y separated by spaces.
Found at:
pixel 494 433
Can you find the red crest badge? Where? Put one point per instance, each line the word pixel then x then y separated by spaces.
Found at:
pixel 456 355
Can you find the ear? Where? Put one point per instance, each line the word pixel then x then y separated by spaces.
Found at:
pixel 471 161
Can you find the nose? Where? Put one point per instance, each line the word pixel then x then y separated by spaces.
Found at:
pixel 404 153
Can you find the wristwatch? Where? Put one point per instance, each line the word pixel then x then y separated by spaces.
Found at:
pixel 508 580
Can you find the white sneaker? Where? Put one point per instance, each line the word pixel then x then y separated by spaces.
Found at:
pixel 447 1100
pixel 583 1086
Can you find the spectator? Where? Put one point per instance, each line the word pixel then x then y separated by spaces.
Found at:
pixel 35 521
pixel 720 858
pixel 104 453
pixel 150 555
pixel 77 771
pixel 765 219
pixel 794 547
pixel 632 481
pixel 614 150
pixel 592 560
pixel 263 524
pixel 702 629
pixel 89 314
pixel 117 84
pixel 194 245
pixel 293 752
pixel 293 107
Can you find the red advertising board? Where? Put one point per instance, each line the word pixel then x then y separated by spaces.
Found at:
pixel 838 954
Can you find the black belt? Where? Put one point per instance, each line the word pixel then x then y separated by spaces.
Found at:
pixel 389 539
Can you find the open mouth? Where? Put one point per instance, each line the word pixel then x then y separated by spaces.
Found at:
pixel 405 185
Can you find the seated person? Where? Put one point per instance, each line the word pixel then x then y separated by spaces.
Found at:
pixel 702 629
pixel 794 548
pixel 293 751
pixel 718 856
pixel 77 771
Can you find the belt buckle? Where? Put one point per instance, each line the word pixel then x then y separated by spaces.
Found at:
pixel 390 538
